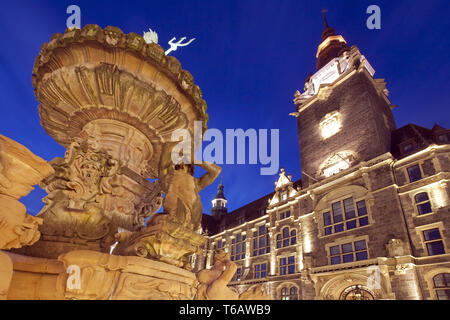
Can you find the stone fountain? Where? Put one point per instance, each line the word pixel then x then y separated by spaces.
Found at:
pixel 113 101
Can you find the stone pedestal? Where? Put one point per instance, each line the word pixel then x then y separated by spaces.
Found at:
pixel 103 276
pixel 162 240
pixel 91 275
pixel 6 272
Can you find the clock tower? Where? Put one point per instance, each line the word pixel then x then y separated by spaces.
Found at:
pixel 344 115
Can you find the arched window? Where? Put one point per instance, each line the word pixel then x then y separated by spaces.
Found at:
pixel 289 293
pixel 293 293
pixel 423 203
pixel 293 237
pixel 284 294
pixel 356 292
pixel 261 241
pixel 286 238
pixel 442 286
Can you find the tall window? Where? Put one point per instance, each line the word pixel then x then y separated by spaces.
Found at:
pixel 423 203
pixel 287 265
pixel 238 247
pixel 261 241
pixel 442 286
pixel 289 293
pixel 433 241
pixel 237 276
pixel 414 173
pixel 261 270
pixel 343 216
pixel 348 252
pixel 285 214
pixel 286 238
pixel 221 244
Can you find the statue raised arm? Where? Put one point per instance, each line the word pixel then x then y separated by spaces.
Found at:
pixel 181 188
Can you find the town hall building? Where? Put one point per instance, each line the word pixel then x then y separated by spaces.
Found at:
pixel 370 217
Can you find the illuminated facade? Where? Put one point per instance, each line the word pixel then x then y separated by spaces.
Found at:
pixel 370 218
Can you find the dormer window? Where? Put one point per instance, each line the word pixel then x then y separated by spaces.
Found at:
pixel 443 138
pixel 408 148
pixel 284 195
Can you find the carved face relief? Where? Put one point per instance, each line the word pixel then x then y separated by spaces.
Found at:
pixel 90 172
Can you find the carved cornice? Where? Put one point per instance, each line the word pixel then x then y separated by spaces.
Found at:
pixel 81 46
pixel 105 92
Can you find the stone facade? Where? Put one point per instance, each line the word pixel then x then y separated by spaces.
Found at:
pixel 370 217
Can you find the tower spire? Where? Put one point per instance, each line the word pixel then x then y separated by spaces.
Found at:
pixel 219 203
pixel 331 45
pixel 324 14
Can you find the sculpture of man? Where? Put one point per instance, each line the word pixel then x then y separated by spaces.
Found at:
pixel 182 201
pixel 213 283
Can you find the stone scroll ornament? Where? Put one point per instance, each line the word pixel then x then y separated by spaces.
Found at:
pixel 88 197
pixel 73 205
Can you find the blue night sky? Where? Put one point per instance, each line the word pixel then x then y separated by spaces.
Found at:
pixel 249 57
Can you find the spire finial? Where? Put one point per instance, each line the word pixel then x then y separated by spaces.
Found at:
pixel 324 14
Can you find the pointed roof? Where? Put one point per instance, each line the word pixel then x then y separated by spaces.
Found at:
pixel 328 31
pixel 283 179
pixel 331 46
pixel 220 194
pixel 437 127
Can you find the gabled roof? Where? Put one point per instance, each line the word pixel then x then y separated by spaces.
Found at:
pixel 421 137
pixel 247 212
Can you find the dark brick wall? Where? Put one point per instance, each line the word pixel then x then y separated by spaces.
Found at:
pixel 405 286
pixel 363 126
pixel 381 177
pixel 444 161
pixel 428 168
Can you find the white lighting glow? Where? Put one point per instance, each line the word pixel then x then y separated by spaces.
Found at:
pixel 330 124
pixel 336 168
pixel 439 195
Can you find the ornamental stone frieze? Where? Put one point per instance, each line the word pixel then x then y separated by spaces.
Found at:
pixel 90 196
pixel 98 276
